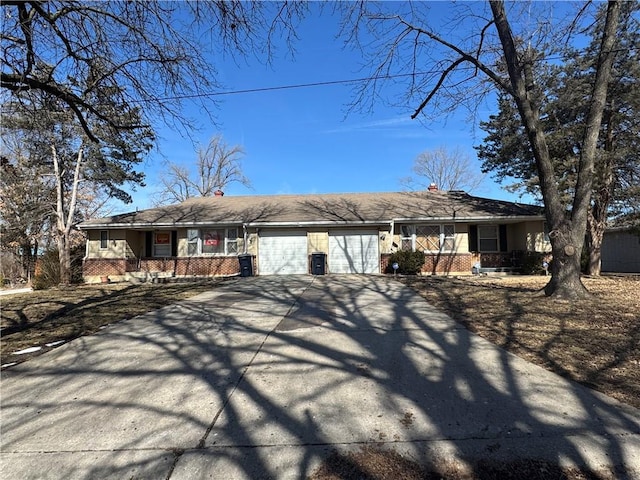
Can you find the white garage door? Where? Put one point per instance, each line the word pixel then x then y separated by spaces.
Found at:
pixel 352 251
pixel 282 252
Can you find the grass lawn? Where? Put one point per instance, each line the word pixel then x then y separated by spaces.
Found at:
pixel 595 342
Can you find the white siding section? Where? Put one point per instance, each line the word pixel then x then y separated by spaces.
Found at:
pixel 353 251
pixel 282 252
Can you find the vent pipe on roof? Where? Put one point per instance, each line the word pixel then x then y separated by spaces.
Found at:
pixel 433 187
pixel 218 193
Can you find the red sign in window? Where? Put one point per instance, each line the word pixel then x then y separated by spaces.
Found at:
pixel 211 240
pixel 163 238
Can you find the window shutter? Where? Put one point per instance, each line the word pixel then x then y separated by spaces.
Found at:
pixel 502 232
pixel 473 238
pixel 174 243
pixel 148 244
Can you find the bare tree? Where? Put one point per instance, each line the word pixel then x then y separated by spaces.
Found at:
pixel 448 170
pixel 217 166
pixel 447 70
pixel 151 54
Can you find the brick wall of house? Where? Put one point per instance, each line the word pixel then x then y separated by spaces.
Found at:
pixel 105 266
pixel 184 266
pixel 439 264
pixel 208 266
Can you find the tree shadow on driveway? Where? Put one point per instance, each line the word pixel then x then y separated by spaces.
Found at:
pixel 265 377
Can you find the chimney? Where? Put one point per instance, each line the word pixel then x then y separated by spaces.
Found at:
pixel 433 187
pixel 218 193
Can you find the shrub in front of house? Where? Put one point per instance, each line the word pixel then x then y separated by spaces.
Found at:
pixel 409 263
pixel 532 263
pixel 48 268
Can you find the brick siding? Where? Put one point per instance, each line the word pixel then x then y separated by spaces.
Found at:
pixel 440 264
pixel 184 266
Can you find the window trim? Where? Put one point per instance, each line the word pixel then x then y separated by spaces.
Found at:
pixel 105 240
pixel 155 244
pixel 442 237
pixel 198 241
pixel 496 238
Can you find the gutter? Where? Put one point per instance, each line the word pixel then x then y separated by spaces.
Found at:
pixel 319 223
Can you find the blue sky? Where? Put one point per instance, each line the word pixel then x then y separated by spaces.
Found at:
pixel 304 140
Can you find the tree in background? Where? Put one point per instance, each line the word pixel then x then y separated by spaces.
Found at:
pixel 217 166
pixel 71 166
pixel 449 170
pixel 563 89
pixel 480 51
pixel 25 201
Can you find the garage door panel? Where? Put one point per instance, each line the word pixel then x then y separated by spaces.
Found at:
pixel 353 252
pixel 282 253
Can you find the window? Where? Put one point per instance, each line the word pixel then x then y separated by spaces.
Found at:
pixel 212 241
pixel 231 241
pixel 427 238
pixel 104 239
pixel 488 238
pixel 162 244
pixel 449 237
pixel 193 239
pixel 406 237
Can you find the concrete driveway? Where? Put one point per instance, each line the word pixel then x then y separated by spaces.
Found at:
pixel 263 377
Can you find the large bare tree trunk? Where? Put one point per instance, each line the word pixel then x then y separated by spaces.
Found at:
pixel 567 228
pixel 64 223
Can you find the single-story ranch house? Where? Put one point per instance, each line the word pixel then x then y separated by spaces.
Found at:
pixel 356 232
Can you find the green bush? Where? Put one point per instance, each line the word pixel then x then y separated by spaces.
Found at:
pixel 409 263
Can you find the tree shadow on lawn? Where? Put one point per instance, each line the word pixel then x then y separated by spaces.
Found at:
pixel 567 340
pixel 223 382
pixel 82 312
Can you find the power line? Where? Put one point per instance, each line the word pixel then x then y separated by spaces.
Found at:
pixel 331 82
pixel 292 86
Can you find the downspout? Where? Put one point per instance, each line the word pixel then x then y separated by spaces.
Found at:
pixel 245 236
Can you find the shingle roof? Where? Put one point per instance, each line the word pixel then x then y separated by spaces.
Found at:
pixel 339 208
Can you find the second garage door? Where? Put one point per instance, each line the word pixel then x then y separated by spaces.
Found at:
pixel 353 251
pixel 282 253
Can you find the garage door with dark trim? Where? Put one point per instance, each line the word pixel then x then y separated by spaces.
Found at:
pixel 282 252
pixel 353 251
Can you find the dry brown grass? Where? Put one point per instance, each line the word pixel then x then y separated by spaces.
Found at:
pixel 46 316
pixel 594 342
pixel 372 462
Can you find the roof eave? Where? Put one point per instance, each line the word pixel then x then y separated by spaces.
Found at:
pixel 314 223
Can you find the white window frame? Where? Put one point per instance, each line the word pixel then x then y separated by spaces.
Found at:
pixel 161 246
pixel 496 238
pixel 193 242
pixel 409 235
pixel 106 239
pixel 197 242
